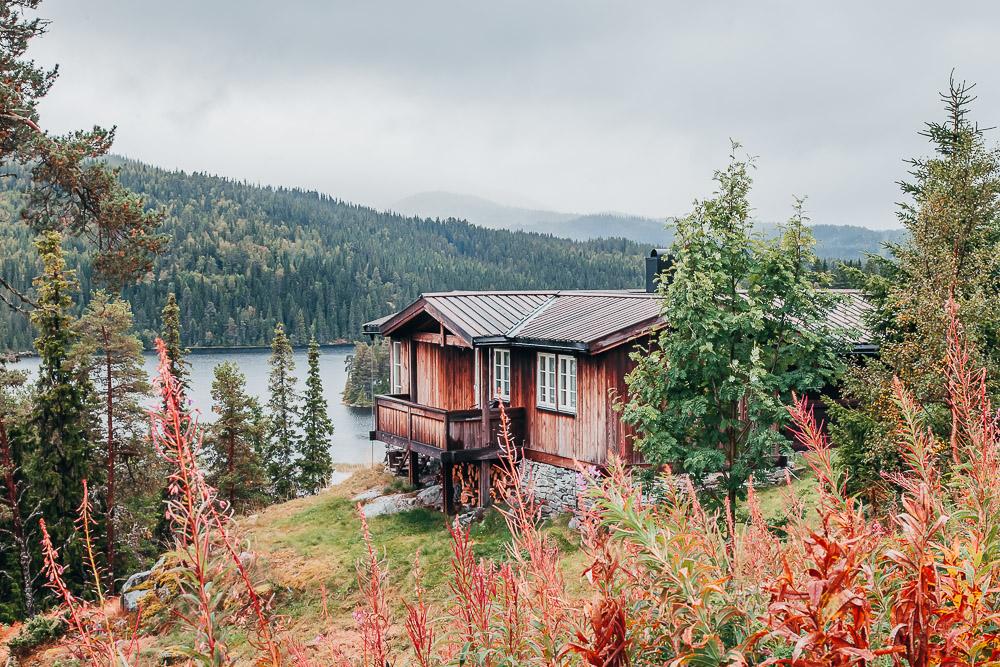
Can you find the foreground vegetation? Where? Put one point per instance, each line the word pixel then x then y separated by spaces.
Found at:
pixel 665 583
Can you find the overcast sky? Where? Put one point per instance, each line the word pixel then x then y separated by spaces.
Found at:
pixel 576 106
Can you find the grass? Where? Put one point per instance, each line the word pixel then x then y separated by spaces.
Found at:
pixel 311 543
pixel 773 500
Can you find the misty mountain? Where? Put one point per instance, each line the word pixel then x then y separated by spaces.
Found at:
pixel 832 241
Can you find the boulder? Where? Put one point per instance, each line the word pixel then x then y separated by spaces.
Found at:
pixel 365 496
pixel 136 580
pixel 384 505
pixel 132 599
pixel 431 497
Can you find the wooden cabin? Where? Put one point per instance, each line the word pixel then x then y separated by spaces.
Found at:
pixel 556 359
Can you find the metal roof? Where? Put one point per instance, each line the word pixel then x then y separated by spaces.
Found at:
pixel 586 318
pixel 576 319
pixel 485 314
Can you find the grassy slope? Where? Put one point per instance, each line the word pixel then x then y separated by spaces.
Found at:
pixel 311 543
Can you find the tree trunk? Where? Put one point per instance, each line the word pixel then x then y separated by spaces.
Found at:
pixel 110 514
pixel 17 522
pixel 231 467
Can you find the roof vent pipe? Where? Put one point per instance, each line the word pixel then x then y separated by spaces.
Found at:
pixel 659 260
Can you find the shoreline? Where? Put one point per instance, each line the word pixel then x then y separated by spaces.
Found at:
pixel 203 349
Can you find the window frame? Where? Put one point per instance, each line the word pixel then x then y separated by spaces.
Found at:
pixel 396 367
pixel 561 405
pixel 499 384
pixel 550 390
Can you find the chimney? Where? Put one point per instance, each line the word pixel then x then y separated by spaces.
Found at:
pixel 659 260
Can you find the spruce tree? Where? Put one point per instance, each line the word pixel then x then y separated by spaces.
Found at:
pixel 110 355
pixel 952 250
pixel 59 454
pixel 282 406
pixel 171 335
pixel 315 464
pixel 233 458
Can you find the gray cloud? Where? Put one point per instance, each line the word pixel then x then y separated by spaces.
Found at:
pixel 576 105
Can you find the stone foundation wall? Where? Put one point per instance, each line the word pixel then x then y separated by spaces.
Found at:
pixel 555 488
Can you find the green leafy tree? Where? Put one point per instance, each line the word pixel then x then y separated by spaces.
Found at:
pixel 110 355
pixel 170 319
pixel 283 409
pixel 59 454
pixel 952 250
pixel 746 328
pixel 233 440
pixel 315 463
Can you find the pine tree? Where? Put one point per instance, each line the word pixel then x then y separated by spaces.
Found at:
pixel 233 458
pixel 952 251
pixel 746 328
pixel 111 356
pixel 171 334
pixel 59 455
pixel 315 463
pixel 282 412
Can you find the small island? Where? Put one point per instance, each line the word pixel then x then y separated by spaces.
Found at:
pixel 367 374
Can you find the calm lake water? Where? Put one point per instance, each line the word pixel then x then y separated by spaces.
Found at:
pixel 350 442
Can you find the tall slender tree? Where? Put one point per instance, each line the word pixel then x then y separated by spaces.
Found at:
pixel 171 335
pixel 746 327
pixel 315 462
pixel 59 454
pixel 111 356
pixel 234 463
pixel 13 519
pixel 283 409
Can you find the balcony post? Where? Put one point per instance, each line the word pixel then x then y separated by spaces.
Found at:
pixel 485 372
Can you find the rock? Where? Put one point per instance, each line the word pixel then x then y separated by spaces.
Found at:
pixel 132 599
pixel 574 523
pixel 365 496
pixel 171 656
pixel 466 519
pixel 431 497
pixel 137 579
pixel 384 505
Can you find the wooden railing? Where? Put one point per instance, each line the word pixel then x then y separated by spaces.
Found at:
pixel 403 423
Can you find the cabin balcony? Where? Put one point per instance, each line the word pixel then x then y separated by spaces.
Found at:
pixel 430 431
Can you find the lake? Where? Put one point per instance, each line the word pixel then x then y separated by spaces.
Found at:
pixel 350 442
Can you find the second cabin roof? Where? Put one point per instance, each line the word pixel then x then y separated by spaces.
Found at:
pixel 581 320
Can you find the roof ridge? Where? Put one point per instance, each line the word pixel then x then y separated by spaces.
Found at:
pixel 538 310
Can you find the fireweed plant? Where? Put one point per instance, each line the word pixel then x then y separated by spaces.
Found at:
pixel 666 582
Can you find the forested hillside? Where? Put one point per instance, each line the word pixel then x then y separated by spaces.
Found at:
pixel 244 257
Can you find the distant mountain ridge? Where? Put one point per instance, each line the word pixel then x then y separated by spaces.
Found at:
pixel 832 241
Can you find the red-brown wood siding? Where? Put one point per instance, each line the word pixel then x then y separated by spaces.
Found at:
pixel 596 428
pixel 445 376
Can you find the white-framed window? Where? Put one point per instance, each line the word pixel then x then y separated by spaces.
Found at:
pixel 567 384
pixel 501 373
pixel 396 367
pixel 545 386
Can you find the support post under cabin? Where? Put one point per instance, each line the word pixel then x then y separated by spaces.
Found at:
pixel 484 484
pixel 413 469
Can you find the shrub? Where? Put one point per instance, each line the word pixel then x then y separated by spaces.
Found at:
pixel 36 632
